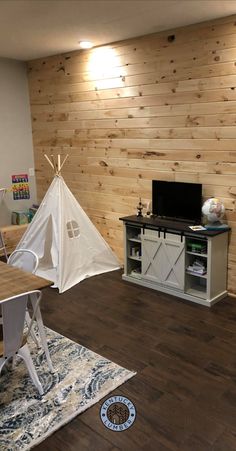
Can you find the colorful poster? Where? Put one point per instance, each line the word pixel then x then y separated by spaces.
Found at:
pixel 20 186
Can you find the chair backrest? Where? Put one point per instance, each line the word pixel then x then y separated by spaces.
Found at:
pixel 2 245
pixel 24 259
pixel 2 194
pixel 13 315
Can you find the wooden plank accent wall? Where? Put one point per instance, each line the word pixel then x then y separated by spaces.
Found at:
pixel 161 106
pixel 12 235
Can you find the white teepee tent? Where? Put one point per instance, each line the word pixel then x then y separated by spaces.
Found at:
pixel 68 245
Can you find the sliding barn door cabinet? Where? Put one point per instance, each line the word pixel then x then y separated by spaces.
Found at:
pixel 169 257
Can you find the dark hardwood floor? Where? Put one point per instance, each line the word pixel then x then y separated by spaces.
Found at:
pixel 184 355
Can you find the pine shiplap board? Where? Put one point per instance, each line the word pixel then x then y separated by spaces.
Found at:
pixel 179 83
pixel 123 76
pixel 131 86
pixel 126 172
pixel 145 73
pixel 124 186
pixel 160 165
pixel 103 179
pixel 211 54
pixel 137 133
pixel 128 120
pixel 73 122
pixel 116 87
pixel 119 186
pixel 72 138
pixel 119 108
pixel 161 108
pixel 120 92
pixel 146 132
pixel 149 174
pixel 174 155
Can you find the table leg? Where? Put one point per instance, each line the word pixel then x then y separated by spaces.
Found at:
pixel 41 330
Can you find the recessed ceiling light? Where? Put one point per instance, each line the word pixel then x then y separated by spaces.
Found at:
pixel 86 44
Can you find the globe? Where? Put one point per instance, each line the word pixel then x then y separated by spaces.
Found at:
pixel 213 209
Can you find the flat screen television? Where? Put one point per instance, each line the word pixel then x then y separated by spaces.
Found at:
pixel 177 201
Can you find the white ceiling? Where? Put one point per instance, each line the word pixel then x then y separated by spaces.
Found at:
pixel 35 28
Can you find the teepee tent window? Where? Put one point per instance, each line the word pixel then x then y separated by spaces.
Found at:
pixel 51 235
pixel 72 229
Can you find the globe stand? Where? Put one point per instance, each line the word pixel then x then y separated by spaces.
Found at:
pixel 216 226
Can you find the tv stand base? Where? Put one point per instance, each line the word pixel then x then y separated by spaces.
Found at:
pixel 180 294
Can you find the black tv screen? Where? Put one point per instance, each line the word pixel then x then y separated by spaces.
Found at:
pixel 177 201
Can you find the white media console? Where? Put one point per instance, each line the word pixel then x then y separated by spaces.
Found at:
pixel 159 253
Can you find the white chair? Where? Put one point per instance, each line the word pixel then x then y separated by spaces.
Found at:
pixel 24 259
pixel 27 260
pixel 14 342
pixel 2 246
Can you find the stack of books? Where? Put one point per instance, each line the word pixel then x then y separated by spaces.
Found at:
pixel 200 248
pixel 136 272
pixel 197 267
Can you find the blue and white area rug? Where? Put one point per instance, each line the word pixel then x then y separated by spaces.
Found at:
pixel 80 380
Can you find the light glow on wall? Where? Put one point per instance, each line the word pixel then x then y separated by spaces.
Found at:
pixel 104 65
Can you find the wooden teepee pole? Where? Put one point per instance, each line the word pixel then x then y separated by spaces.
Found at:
pixel 49 161
pixel 67 155
pixel 56 166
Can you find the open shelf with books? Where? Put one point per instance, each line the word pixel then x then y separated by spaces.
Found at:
pixel 134 251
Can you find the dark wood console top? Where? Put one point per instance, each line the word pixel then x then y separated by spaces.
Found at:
pixel 170 226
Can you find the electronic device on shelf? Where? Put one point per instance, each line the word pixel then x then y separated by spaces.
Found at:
pixel 177 201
